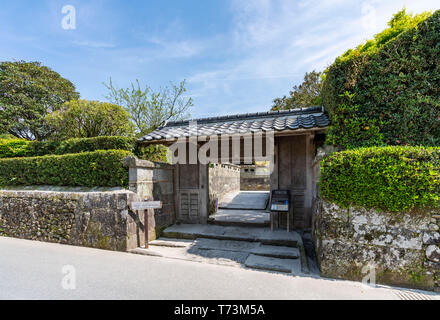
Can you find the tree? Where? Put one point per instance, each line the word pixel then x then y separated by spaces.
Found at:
pixel 148 109
pixel 28 93
pixel 307 94
pixel 86 119
pixel 394 87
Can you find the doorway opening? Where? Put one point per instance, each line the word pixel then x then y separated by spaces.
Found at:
pixel 245 203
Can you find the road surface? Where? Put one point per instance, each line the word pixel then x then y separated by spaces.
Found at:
pixel 38 270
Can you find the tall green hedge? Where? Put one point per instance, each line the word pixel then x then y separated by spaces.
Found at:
pixel 387 178
pixel 12 148
pixel 87 169
pixel 388 96
pixel 23 148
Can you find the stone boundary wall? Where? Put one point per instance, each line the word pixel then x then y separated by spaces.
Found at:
pixel 255 183
pixel 90 219
pixel 403 248
pixel 223 179
pixel 153 181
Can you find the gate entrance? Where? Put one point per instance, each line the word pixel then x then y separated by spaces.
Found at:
pixel 191 194
pixel 292 137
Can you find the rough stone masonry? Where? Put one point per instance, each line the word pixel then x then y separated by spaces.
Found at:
pixel 403 248
pixel 91 219
pixel 96 217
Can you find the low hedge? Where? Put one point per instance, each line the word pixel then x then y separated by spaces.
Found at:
pixel 388 178
pixel 101 168
pixel 23 148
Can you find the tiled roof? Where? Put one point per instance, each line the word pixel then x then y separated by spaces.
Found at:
pixel 307 118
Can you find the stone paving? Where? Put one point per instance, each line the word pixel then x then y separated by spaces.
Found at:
pixel 245 200
pixel 228 252
pixel 247 247
pixel 235 216
pixel 263 235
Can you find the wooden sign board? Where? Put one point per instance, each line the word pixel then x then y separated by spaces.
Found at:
pixel 146 205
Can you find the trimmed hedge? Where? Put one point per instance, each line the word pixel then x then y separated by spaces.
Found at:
pixel 389 96
pixel 23 148
pixel 387 178
pixel 86 169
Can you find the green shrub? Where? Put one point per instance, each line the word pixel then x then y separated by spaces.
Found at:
pixel 394 87
pixel 387 178
pixel 87 169
pixel 14 148
pixel 152 152
pixel 78 145
pixel 24 148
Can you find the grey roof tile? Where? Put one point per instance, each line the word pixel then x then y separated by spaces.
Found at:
pixel 308 118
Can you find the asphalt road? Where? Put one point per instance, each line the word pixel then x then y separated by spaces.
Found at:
pixel 37 270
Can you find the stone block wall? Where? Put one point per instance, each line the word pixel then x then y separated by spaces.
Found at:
pixel 255 178
pixel 153 182
pixel 91 219
pixel 223 178
pixel 96 217
pixel 255 183
pixel 403 248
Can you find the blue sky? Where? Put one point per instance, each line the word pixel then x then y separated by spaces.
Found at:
pixel 236 55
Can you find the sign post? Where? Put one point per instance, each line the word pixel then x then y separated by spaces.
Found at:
pixel 143 206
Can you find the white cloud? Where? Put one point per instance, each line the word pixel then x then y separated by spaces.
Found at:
pixel 93 44
pixel 285 38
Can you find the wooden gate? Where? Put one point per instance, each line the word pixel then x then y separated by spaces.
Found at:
pixel 292 172
pixel 192 193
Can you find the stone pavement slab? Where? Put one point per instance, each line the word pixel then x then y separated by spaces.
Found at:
pixel 273 264
pixel 250 247
pixel 242 216
pixel 173 243
pixel 263 235
pixel 250 200
pixel 277 251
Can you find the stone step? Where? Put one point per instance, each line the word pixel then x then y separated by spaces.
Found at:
pixel 228 253
pixel 252 234
pixel 239 223
pixel 273 264
pixel 250 247
pixel 172 243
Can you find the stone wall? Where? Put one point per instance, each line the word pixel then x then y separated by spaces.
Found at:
pixel 98 219
pixel 403 248
pixel 255 177
pixel 255 183
pixel 153 182
pixel 223 178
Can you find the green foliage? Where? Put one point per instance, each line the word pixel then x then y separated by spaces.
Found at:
pixel 152 152
pixel 86 119
pixel 28 93
pixel 6 136
pixel 77 145
pixel 24 148
pixel 307 94
pixel 87 169
pixel 352 129
pixel 14 148
pixel 394 87
pixel 400 23
pixel 387 178
pixel 148 109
